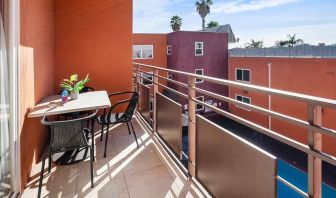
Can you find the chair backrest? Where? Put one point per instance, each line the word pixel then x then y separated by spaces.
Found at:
pixel 86 89
pixel 131 107
pixel 67 134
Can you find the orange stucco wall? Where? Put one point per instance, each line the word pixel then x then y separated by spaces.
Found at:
pixel 159 42
pixel 94 37
pixel 59 38
pixel 310 76
pixel 36 76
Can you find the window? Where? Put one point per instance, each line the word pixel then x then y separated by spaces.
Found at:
pixel 198 48
pixel 243 99
pixel 169 50
pixel 199 72
pixel 200 107
pixel 243 75
pixel 142 51
pixel 169 75
pixel 145 77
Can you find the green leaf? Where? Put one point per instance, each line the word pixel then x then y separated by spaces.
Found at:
pixel 73 86
pixel 87 79
pixel 73 77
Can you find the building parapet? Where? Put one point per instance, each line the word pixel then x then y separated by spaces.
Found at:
pixel 302 51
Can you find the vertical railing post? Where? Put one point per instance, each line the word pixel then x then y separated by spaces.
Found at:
pixel 314 142
pixel 155 90
pixel 192 126
pixel 137 78
pixel 134 77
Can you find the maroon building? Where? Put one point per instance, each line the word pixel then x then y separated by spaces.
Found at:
pixel 204 53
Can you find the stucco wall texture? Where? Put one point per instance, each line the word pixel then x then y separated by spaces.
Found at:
pixel 312 76
pixel 159 59
pixel 214 61
pixel 59 38
pixel 36 76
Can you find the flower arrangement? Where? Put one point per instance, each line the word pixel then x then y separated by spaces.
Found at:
pixel 73 85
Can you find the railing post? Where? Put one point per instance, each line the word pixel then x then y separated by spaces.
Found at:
pixel 192 126
pixel 134 77
pixel 155 90
pixel 314 142
pixel 137 78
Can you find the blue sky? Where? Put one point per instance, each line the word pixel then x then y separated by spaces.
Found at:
pixel 269 20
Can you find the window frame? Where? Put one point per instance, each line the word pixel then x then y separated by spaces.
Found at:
pixel 141 50
pixel 199 48
pixel 236 97
pixel 242 80
pixel 199 80
pixel 200 104
pixel 169 52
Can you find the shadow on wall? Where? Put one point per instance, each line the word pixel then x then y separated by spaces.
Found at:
pixel 35 83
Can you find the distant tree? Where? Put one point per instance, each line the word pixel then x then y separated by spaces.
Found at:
pixel 281 43
pixel 293 40
pixel 175 23
pixel 254 44
pixel 212 24
pixel 203 9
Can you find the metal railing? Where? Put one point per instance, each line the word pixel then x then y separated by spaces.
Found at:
pixel 313 126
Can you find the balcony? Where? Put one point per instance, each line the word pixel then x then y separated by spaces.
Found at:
pixel 183 153
pixel 127 171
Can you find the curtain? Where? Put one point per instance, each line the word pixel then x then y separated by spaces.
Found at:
pixel 4 116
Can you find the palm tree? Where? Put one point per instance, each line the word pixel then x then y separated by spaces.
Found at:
pixel 281 43
pixel 203 9
pixel 212 24
pixel 175 23
pixel 254 44
pixel 292 40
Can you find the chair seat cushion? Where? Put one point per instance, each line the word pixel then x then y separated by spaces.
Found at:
pixel 105 119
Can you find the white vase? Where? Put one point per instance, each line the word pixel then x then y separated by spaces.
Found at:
pixel 74 95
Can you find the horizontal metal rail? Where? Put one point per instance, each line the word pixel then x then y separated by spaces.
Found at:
pixel 167 79
pixel 313 125
pixel 259 89
pixel 296 189
pixel 145 78
pixel 267 112
pixel 298 145
pixel 293 143
pixel 174 91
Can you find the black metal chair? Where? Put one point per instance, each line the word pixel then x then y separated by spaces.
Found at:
pixel 81 113
pixel 64 136
pixel 114 118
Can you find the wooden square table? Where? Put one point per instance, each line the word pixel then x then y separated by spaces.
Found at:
pixel 53 105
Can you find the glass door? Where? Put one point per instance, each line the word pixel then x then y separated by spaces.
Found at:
pixel 5 181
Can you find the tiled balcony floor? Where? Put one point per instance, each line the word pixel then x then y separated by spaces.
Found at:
pixel 125 172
